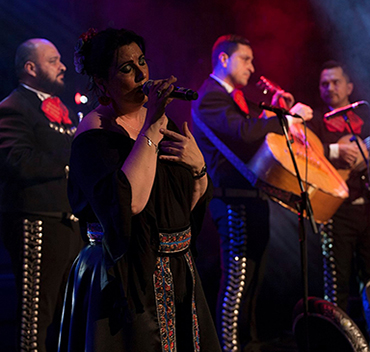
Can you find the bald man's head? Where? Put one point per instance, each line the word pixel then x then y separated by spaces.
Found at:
pixel 38 64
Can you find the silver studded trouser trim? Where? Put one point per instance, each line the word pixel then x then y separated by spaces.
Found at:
pixel 330 279
pixel 32 245
pixel 235 277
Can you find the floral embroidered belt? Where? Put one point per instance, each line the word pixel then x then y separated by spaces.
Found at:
pixel 95 232
pixel 174 243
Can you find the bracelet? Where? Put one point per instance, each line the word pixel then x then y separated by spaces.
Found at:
pixel 150 142
pixel 201 173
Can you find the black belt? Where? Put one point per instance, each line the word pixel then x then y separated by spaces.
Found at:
pixel 237 193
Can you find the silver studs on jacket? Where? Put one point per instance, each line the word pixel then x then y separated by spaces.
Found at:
pixel 63 129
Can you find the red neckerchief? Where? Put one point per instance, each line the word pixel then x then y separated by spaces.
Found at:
pixel 239 99
pixel 56 111
pixel 338 124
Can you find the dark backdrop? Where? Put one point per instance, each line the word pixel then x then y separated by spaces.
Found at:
pixel 290 38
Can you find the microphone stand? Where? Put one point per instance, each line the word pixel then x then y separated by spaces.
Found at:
pixel 354 139
pixel 303 205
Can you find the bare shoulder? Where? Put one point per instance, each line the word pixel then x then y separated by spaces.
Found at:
pixel 96 119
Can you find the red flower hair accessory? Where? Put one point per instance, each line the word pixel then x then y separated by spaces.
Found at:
pixel 91 32
pixel 79 57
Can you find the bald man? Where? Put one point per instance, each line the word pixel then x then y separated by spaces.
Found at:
pixel 36 223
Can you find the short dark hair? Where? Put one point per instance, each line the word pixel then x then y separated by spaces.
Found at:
pixel 25 52
pixel 95 54
pixel 228 44
pixel 336 64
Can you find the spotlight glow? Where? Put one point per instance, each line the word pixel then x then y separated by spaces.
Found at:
pixel 81 99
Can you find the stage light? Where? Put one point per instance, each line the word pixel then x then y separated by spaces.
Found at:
pixel 81 99
pixel 78 98
pixel 84 99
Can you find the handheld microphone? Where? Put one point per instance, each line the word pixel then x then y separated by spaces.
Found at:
pixel 277 110
pixel 344 109
pixel 177 93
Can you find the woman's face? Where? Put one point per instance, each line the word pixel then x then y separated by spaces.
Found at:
pixel 127 76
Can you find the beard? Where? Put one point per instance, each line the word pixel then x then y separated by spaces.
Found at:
pixel 49 85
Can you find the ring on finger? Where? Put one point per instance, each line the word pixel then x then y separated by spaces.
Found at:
pixel 159 93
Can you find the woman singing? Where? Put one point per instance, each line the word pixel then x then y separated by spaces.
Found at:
pixel 141 188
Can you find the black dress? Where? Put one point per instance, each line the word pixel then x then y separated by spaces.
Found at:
pixel 138 290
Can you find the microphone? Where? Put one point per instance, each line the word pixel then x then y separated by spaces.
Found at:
pixel 344 109
pixel 177 93
pixel 277 110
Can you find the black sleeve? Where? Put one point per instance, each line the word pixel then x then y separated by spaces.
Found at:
pixel 95 170
pixel 198 213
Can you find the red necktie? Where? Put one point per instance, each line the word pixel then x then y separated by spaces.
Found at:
pixel 239 99
pixel 56 111
pixel 338 124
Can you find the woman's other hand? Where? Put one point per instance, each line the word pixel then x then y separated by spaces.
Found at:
pixel 182 149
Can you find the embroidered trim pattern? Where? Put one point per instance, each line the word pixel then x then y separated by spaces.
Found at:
pixel 174 242
pixel 164 290
pixel 32 248
pixel 194 308
pixel 165 301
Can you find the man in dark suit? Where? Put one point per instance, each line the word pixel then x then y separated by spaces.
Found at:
pixel 348 232
pixel 36 223
pixel 239 210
